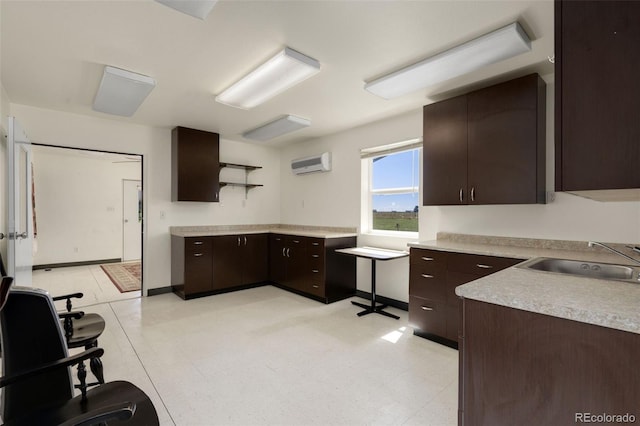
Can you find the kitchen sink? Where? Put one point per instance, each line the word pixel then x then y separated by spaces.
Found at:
pixel 603 271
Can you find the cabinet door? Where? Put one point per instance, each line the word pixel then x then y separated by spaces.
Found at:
pixel 444 153
pixel 597 102
pixel 227 261
pixel 297 266
pixel 506 150
pixel 277 259
pixel 255 267
pixel 195 165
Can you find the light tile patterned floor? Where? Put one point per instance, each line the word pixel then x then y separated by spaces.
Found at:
pixel 269 357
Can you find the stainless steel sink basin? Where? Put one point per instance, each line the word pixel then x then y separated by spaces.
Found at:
pixel 603 271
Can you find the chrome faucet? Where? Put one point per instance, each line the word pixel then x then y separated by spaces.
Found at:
pixel 611 249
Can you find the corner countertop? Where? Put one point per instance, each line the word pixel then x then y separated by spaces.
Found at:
pixel 613 304
pixel 301 230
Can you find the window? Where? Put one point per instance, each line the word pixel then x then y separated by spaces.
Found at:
pixel 391 191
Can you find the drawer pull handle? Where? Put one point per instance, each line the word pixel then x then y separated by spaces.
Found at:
pixel 197 254
pixel 296 241
pixel 197 243
pixel 480 265
pixel 427 276
pixel 315 244
pixel 428 259
pixel 316 286
pixel 315 271
pixel 315 255
pixel 426 308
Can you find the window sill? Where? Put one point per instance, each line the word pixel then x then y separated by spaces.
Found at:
pixel 393 234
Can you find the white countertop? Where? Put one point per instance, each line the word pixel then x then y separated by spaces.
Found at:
pixel 613 304
pixel 303 231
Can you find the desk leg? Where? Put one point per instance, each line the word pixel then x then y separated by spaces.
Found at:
pixel 373 308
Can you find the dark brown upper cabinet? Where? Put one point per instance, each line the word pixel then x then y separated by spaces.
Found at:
pixel 195 165
pixel 486 147
pixel 597 58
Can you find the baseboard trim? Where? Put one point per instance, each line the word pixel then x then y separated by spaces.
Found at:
pixel 386 300
pixel 69 264
pixel 159 290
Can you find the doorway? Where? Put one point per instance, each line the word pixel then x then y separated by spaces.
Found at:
pixel 82 200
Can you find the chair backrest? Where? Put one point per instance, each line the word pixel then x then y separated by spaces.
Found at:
pixel 31 336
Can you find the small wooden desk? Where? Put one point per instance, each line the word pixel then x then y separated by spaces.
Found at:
pixel 374 254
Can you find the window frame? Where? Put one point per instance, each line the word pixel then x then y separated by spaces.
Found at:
pixel 367 158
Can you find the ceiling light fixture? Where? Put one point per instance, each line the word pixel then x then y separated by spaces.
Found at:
pixel 470 56
pixel 121 92
pixel 196 8
pixel 279 73
pixel 279 127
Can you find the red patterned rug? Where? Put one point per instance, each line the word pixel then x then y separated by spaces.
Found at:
pixel 125 276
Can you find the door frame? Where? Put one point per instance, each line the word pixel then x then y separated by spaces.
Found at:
pixel 139 181
pixel 144 198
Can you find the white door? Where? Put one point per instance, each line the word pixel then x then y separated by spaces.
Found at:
pixel 20 230
pixel 132 220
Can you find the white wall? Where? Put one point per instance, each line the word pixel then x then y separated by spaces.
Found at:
pixel 81 195
pixel 58 128
pixel 334 198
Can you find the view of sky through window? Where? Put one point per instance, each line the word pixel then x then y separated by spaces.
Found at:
pixel 400 170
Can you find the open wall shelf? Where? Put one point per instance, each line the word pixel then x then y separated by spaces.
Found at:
pixel 247 169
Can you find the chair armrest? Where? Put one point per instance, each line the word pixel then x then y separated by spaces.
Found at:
pixel 118 412
pixel 68 297
pixel 45 368
pixel 72 315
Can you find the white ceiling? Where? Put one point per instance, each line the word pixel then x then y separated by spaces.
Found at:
pixel 53 54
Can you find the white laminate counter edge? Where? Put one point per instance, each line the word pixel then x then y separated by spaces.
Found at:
pixel 301 232
pixel 605 303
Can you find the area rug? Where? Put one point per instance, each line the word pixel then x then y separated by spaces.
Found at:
pixel 125 276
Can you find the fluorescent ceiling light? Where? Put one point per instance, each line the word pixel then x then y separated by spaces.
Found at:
pixel 279 73
pixel 485 50
pixel 196 8
pixel 279 127
pixel 121 92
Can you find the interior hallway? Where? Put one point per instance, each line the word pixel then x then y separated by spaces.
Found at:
pixel 265 356
pixel 89 280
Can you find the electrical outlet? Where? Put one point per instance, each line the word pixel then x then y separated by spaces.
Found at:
pixel 162 214
pixel 551 196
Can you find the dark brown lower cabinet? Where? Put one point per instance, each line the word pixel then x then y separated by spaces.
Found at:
pixel 208 265
pixel 525 368
pixel 434 308
pixel 310 266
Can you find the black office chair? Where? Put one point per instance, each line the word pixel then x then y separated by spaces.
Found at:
pixel 81 330
pixel 38 388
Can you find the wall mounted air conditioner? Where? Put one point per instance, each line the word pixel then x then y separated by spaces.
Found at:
pixel 316 163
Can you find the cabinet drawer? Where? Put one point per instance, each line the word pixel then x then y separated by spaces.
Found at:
pixel 430 286
pixel 428 260
pixel 428 316
pixel 201 245
pixel 314 287
pixel 316 245
pixel 316 274
pixel 479 265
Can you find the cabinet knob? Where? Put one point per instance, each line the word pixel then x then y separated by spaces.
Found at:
pixel 426 308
